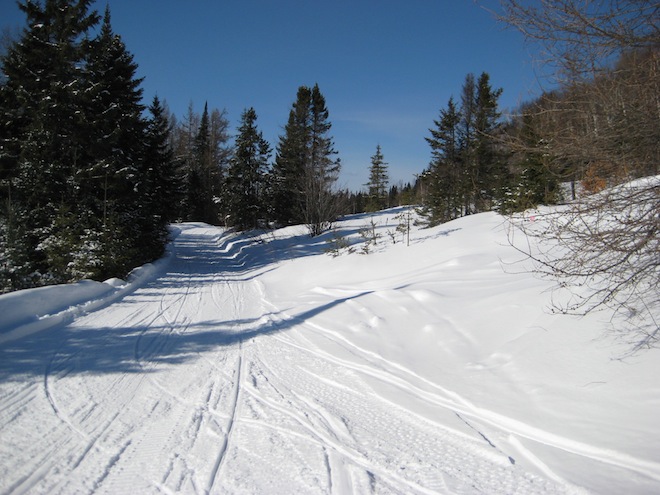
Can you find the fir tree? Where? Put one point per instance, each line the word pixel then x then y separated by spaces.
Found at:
pixel 377 187
pixel 246 174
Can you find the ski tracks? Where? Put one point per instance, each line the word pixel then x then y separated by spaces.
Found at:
pixel 216 390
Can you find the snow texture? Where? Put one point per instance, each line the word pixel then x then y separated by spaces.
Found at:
pixel 257 363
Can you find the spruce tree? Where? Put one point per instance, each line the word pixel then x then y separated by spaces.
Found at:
pixel 199 187
pixel 321 172
pixel 116 173
pixel 203 156
pixel 304 173
pixel 246 174
pixel 162 178
pixel 286 182
pixel 74 150
pixel 466 140
pixel 377 187
pixel 444 199
pixel 483 170
pixel 491 174
pixel 44 141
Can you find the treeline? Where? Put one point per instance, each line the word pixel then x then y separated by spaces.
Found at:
pixel 82 170
pixel 594 133
pixel 235 184
pixel 90 178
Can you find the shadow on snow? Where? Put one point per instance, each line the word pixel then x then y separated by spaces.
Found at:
pixel 198 260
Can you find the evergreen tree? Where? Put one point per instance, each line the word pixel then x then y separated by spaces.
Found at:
pixel 199 187
pixel 377 187
pixel 286 184
pixel 533 179
pixel 160 165
pixel 221 153
pixel 466 140
pixel 73 153
pixel 184 139
pixel 444 199
pixel 490 170
pixel 202 156
pixel 322 170
pixel 467 173
pixel 117 158
pixel 44 121
pixel 246 174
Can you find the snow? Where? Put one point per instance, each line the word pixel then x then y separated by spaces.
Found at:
pixel 258 363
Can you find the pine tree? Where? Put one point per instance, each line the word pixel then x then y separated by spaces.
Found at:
pixel 377 187
pixel 246 174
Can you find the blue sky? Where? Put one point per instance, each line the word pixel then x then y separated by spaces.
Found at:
pixel 385 67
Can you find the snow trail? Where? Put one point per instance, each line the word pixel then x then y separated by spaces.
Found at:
pixel 213 377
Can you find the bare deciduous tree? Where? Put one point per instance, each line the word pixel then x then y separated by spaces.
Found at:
pixel 604 115
pixel 602 124
pixel 603 251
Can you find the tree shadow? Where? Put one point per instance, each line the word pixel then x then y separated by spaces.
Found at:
pixel 90 350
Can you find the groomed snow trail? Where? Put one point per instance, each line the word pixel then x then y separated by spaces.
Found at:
pixel 197 383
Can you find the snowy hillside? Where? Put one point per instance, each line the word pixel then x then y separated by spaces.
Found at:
pixel 262 364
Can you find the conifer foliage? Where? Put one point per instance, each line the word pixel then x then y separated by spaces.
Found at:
pixel 246 176
pixel 77 200
pixel 378 182
pixel 467 173
pixel 305 170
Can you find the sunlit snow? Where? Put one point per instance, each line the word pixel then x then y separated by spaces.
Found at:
pixel 259 363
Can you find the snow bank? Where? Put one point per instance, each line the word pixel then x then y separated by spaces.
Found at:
pixel 28 311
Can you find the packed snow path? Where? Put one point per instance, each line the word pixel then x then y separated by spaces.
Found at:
pixel 197 383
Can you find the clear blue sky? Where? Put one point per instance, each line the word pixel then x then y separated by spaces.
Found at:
pixel 385 67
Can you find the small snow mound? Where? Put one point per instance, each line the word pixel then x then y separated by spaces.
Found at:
pixel 115 282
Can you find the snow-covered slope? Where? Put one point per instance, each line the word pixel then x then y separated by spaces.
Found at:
pixel 261 364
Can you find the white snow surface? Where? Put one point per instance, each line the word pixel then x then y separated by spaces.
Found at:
pixel 258 363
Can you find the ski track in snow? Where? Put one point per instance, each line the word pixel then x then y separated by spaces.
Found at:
pixel 196 383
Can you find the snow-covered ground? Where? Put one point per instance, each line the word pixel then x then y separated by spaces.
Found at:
pixel 261 364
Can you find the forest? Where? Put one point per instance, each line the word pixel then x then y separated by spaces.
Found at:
pixel 91 175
